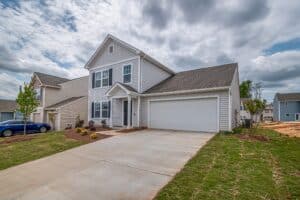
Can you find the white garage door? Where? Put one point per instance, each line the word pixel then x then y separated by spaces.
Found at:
pixel 185 114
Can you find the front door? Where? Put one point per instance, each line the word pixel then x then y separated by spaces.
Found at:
pixel 297 116
pixel 125 113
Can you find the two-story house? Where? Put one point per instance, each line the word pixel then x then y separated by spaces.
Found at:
pixel 128 88
pixel 61 100
pixel 286 107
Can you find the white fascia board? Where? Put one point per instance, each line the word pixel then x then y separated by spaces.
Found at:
pixel 186 91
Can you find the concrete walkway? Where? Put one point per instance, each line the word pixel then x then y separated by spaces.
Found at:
pixel 130 166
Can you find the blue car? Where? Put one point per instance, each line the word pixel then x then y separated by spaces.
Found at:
pixel 11 127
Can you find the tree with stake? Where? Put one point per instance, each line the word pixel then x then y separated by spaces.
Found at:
pixel 255 107
pixel 27 102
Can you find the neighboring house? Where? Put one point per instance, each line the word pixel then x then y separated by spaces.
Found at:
pixel 244 114
pixel 128 88
pixel 60 100
pixel 268 113
pixel 8 110
pixel 286 107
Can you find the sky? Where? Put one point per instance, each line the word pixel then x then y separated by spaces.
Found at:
pixel 58 37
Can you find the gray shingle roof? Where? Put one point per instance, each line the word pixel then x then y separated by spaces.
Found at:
pixel 8 105
pixel 128 87
pixel 288 96
pixel 211 77
pixel 50 80
pixel 63 102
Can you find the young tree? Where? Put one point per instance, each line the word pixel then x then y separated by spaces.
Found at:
pixel 27 102
pixel 245 89
pixel 255 107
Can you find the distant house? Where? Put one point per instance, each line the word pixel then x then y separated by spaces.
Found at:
pixel 286 107
pixel 61 100
pixel 8 110
pixel 266 115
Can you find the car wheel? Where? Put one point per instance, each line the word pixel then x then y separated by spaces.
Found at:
pixel 43 129
pixel 7 133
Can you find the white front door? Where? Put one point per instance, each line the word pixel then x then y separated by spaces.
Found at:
pixel 199 114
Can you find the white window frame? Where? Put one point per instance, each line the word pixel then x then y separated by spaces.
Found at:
pixel 102 78
pixel 113 49
pixel 105 78
pixel 38 93
pixel 127 73
pixel 101 109
pixel 96 103
pixel 99 79
pixel 107 109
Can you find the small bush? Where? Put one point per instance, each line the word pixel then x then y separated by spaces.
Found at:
pixel 83 133
pixel 237 130
pixel 94 136
pixel 93 129
pixel 103 123
pixel 78 130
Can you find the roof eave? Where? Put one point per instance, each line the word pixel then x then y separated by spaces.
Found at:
pixel 186 91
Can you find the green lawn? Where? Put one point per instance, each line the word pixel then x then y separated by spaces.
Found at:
pixel 42 145
pixel 231 168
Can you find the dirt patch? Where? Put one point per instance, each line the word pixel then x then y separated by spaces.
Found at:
pixel 291 129
pixel 17 138
pixel 252 137
pixel 72 134
pixel 130 130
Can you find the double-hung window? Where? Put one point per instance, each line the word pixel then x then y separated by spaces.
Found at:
pixel 105 78
pixel 127 74
pixel 97 110
pixel 98 79
pixel 105 109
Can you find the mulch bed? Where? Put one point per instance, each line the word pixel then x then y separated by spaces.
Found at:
pixel 17 138
pixel 72 134
pixel 130 130
pixel 252 137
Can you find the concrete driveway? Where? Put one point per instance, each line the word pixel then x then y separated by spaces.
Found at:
pixel 129 166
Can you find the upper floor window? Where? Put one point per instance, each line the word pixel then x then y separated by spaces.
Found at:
pixel 38 95
pixel 111 49
pixel 98 79
pixel 127 74
pixel 102 78
pixel 105 78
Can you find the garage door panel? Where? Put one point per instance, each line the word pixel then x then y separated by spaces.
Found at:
pixel 187 114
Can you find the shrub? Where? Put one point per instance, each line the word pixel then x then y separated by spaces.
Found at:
pixel 237 130
pixel 83 133
pixel 103 123
pixel 78 130
pixel 93 129
pixel 94 136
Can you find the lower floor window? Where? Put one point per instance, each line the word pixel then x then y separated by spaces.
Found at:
pixel 101 109
pixel 97 110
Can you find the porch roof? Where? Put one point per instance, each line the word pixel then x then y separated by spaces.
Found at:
pixel 126 88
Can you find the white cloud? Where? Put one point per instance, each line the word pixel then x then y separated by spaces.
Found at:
pixel 229 31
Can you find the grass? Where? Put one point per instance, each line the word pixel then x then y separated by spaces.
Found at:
pixel 231 168
pixel 42 145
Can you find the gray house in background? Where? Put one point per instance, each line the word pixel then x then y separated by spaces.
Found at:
pixel 286 107
pixel 8 110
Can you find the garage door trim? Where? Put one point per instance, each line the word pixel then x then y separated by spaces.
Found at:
pixel 187 98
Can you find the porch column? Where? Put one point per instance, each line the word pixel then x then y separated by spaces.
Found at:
pixel 111 112
pixel 138 111
pixel 129 112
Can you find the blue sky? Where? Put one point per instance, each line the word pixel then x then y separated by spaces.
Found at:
pixel 58 37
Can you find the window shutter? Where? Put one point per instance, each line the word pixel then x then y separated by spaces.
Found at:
pixel 93 80
pixel 110 76
pixel 92 110
pixel 109 107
